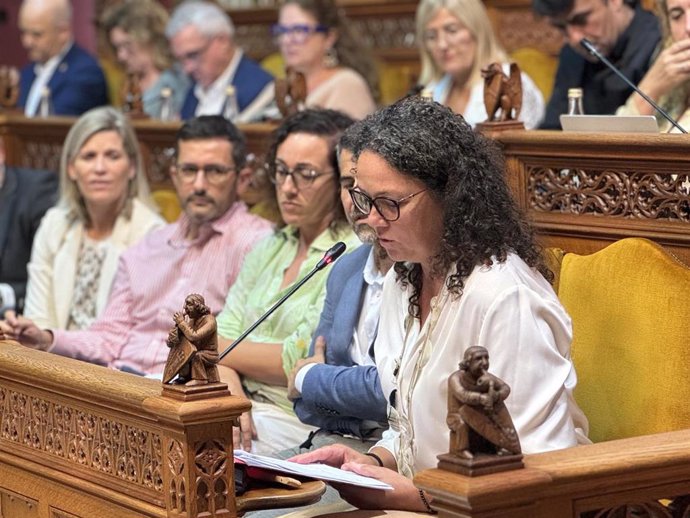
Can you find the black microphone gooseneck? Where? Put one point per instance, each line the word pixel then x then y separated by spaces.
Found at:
pixel 331 255
pixel 594 52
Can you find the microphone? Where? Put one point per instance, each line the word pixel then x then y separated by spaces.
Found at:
pixel 594 52
pixel 331 255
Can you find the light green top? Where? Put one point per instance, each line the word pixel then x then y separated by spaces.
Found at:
pixel 257 288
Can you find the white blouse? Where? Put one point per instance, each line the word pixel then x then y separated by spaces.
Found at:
pixel 511 310
pixel 532 111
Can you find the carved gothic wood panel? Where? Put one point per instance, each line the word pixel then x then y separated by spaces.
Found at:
pixel 212 476
pixel 82 437
pixel 610 193
pixel 177 484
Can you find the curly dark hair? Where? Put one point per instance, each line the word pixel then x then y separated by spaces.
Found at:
pixel 328 124
pixel 465 172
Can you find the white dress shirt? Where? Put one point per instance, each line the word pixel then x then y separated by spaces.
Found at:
pixel 212 99
pixel 510 309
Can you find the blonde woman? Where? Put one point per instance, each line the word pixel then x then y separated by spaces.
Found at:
pixel 456 41
pixel 104 208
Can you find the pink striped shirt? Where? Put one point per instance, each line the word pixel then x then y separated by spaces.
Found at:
pixel 152 281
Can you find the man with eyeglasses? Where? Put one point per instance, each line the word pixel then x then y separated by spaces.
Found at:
pixel 621 30
pixel 200 253
pixel 201 37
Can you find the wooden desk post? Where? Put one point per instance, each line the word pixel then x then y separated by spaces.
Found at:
pixel 78 441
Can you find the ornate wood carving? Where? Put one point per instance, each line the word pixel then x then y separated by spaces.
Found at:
pixel 610 193
pixel 212 476
pixel 176 468
pixel 636 510
pixel 82 437
pixel 42 155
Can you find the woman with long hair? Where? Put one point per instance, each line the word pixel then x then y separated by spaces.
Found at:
pixel 104 208
pixel 456 42
pixel 467 273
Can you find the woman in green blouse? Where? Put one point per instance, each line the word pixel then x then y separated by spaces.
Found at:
pixel 302 165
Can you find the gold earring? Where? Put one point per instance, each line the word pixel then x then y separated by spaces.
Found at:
pixel 330 60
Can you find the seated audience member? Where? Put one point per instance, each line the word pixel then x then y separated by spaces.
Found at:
pixel 316 39
pixel 201 36
pixel 302 163
pixel 621 30
pixel 456 42
pixel 668 80
pixel 136 32
pixel 467 273
pixel 73 77
pixel 104 208
pixel 200 253
pixel 25 195
pixel 337 388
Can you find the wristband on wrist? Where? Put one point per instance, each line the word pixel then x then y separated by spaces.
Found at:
pixel 426 502
pixel 376 458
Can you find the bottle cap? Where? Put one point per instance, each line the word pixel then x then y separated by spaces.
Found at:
pixel 574 92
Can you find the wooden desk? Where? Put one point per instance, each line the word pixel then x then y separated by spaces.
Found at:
pixel 82 441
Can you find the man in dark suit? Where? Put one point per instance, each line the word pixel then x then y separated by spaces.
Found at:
pixel 621 30
pixel 25 195
pixel 201 37
pixel 59 70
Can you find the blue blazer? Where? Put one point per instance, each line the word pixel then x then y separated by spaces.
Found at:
pixel 249 81
pixel 77 85
pixel 337 396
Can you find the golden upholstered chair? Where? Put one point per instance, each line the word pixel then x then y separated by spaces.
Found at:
pixel 631 338
pixel 539 65
pixel 168 203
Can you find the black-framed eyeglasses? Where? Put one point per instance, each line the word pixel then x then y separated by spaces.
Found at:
pixel 298 32
pixel 214 173
pixel 388 208
pixel 302 175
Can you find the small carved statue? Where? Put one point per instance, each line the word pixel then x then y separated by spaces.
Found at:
pixel 9 87
pixel 501 91
pixel 134 103
pixel 193 345
pixel 291 92
pixel 477 416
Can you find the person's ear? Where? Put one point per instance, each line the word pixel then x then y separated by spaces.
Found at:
pixel 331 37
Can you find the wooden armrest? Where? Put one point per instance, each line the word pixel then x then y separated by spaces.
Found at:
pixel 566 483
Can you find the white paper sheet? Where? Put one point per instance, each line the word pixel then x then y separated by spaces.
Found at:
pixel 317 471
